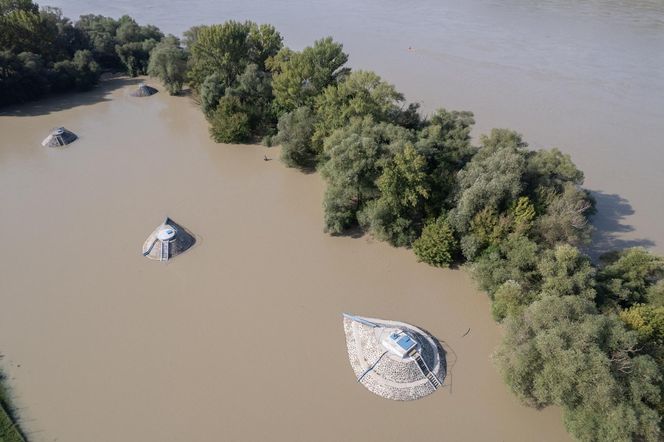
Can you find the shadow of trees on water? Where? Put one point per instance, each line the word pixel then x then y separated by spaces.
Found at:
pixel 610 226
pixel 68 100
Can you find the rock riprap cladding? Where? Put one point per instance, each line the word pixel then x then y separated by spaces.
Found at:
pixel 393 359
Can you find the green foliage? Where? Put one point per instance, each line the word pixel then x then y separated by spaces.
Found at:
pixel 295 131
pixel 357 154
pixel 396 216
pixel 648 322
pixel 168 62
pixel 510 299
pixel 560 351
pixel 229 60
pixel 359 95
pixel 524 213
pixel 81 73
pixel 9 428
pixel 211 91
pixel 229 123
pixel 487 228
pixel 41 51
pixel 135 56
pixel 566 271
pixel 228 48
pixel 492 179
pixel 437 245
pixel 514 259
pixel 565 219
pixel 351 173
pixel 254 90
pixel 551 169
pixel 627 277
pixel 300 76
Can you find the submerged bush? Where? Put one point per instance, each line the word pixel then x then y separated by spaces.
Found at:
pixel 229 123
pixel 437 246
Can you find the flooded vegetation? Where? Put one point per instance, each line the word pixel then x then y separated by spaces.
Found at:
pixel 518 219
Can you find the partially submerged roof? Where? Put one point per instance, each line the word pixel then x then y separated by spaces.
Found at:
pixel 393 359
pixel 169 239
pixel 144 90
pixel 59 137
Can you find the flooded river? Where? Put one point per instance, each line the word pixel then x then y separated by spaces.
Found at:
pixel 241 337
pixel 586 76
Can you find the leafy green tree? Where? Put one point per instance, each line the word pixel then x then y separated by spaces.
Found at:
pixel 300 76
pixel 551 169
pixel 565 219
pixel 135 56
pixel 626 277
pixel 9 6
pixel 361 94
pixel 211 91
pixel 351 172
pixel 437 245
pixel 229 122
pixel 228 48
pixel 444 141
pixel 491 179
pixel 524 213
pixel 397 215
pixel 567 272
pixel 100 32
pixel 560 351
pixel 253 88
pixel 648 322
pixel 295 131
pixel 487 228
pixel 168 62
pixel 516 259
pixel 510 299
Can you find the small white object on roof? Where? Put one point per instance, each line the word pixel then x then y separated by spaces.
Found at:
pixel 400 343
pixel 166 233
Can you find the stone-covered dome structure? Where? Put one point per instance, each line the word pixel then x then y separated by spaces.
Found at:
pixel 169 239
pixel 59 137
pixel 393 359
pixel 144 90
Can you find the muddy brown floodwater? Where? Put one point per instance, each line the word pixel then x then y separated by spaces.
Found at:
pixel 241 337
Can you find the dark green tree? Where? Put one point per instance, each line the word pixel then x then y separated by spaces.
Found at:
pixel 295 131
pixel 168 62
pixel 300 76
pixel 229 123
pixel 397 214
pixel 437 245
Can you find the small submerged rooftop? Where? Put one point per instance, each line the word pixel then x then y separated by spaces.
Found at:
pixel 58 137
pixel 168 240
pixel 144 90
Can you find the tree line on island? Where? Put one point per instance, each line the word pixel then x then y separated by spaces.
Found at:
pixel 588 337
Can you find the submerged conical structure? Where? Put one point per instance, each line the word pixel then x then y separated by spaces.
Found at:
pixel 144 90
pixel 169 239
pixel 392 359
pixel 59 137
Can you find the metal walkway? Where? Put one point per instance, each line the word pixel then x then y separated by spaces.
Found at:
pixel 164 251
pixel 433 380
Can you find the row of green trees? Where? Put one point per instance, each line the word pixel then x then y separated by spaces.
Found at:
pixel 41 51
pixel 588 338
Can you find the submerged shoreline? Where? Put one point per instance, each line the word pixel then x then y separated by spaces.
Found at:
pixel 263 266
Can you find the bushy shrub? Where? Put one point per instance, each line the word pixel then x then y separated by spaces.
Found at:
pixel 229 123
pixel 295 131
pixel 437 245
